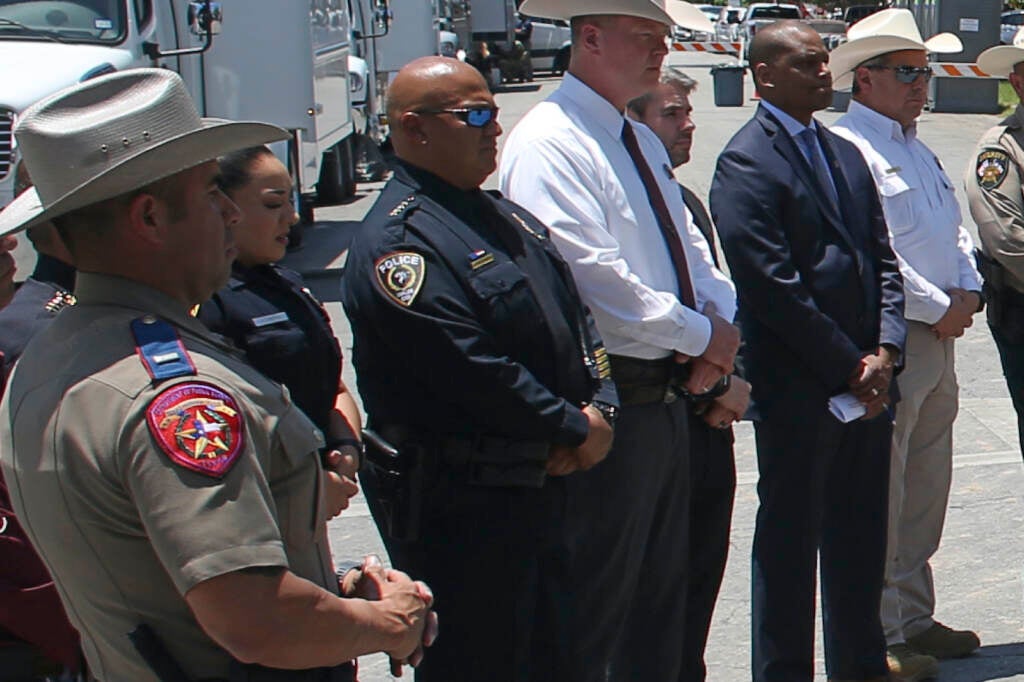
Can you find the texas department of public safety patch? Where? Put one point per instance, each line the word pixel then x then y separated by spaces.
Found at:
pixel 992 167
pixel 401 275
pixel 198 426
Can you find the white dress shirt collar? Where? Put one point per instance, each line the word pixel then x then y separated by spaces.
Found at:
pixel 881 123
pixel 599 110
pixel 792 126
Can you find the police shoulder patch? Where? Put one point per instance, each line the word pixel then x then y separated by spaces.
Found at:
pixel 993 164
pixel 401 274
pixel 198 426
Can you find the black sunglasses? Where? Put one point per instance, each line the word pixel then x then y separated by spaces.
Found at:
pixel 906 74
pixel 474 117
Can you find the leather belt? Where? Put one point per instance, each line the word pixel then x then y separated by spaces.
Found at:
pixel 643 382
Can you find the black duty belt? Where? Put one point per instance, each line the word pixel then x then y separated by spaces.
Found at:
pixel 482 459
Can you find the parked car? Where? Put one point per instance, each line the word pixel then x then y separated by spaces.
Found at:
pixel 855 13
pixel 550 44
pixel 1010 23
pixel 762 14
pixel 727 24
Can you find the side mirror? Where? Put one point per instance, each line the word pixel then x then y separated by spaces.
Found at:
pixel 201 22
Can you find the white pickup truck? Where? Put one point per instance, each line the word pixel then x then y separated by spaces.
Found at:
pixel 760 15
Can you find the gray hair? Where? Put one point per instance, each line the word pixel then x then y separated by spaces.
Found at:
pixel 670 75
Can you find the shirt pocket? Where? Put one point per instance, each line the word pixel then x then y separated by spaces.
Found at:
pixel 898 204
pixel 507 301
pixel 298 489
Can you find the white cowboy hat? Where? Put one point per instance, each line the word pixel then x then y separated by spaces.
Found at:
pixel 114 134
pixel 667 12
pixel 1000 60
pixel 887 31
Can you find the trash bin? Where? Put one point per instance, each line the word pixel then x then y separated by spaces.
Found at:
pixel 728 85
pixel 841 100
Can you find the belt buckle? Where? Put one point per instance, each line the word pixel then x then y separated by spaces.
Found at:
pixel 671 394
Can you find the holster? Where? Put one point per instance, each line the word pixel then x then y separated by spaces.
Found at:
pixel 1004 304
pixel 401 481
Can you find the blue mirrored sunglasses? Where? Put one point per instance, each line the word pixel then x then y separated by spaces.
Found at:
pixel 906 74
pixel 474 117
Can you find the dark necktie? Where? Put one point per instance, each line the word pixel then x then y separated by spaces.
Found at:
pixel 661 212
pixel 810 142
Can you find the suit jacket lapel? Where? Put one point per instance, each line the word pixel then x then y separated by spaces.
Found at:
pixel 846 200
pixel 787 147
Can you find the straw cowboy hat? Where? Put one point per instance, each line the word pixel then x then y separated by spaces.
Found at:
pixel 1000 60
pixel 114 134
pixel 887 31
pixel 667 12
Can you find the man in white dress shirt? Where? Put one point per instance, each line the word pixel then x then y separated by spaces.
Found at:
pixel 605 188
pixel 888 63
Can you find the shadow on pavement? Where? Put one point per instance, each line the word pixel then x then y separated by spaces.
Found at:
pixel 996 662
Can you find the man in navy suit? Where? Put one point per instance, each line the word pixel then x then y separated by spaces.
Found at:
pixel 821 308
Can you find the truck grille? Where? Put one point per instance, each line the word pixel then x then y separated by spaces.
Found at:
pixel 6 125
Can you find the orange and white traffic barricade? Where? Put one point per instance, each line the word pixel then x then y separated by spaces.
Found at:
pixel 957 70
pixel 713 47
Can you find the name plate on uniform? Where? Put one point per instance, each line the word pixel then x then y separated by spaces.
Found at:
pixel 267 320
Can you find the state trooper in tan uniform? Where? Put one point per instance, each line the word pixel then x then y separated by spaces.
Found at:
pixel 174 493
pixel 994 191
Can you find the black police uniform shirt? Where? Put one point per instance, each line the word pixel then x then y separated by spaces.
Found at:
pixel 284 331
pixel 35 304
pixel 465 318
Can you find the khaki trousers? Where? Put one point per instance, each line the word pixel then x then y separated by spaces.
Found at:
pixel 920 475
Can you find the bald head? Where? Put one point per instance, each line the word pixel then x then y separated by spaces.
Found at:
pixel 416 86
pixel 428 110
pixel 775 40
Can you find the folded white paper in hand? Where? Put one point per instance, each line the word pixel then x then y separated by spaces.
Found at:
pixel 846 407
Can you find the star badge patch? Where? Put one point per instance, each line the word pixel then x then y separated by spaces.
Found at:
pixel 992 167
pixel 198 426
pixel 401 275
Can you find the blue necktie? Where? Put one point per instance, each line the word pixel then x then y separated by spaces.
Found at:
pixel 810 143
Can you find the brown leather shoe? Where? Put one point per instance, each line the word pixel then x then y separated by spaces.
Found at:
pixel 907 665
pixel 944 642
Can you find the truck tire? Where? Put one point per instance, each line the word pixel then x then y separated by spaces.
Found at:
pixel 337 174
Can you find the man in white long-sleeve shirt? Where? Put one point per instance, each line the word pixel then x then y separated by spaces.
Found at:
pixel 942 290
pixel 605 188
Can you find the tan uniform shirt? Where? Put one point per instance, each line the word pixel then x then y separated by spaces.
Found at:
pixel 124 529
pixel 995 195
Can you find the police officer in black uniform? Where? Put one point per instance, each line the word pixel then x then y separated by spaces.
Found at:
pixel 270 314
pixel 40 297
pixel 479 364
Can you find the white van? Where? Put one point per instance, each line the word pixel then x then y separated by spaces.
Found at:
pixel 301 84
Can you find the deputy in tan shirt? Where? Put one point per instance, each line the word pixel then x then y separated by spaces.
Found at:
pixel 165 482
pixel 996 198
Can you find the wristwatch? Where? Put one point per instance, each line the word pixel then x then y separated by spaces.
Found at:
pixel 608 411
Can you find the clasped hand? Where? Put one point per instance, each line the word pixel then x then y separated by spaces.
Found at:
pixel 871 379
pixel 409 602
